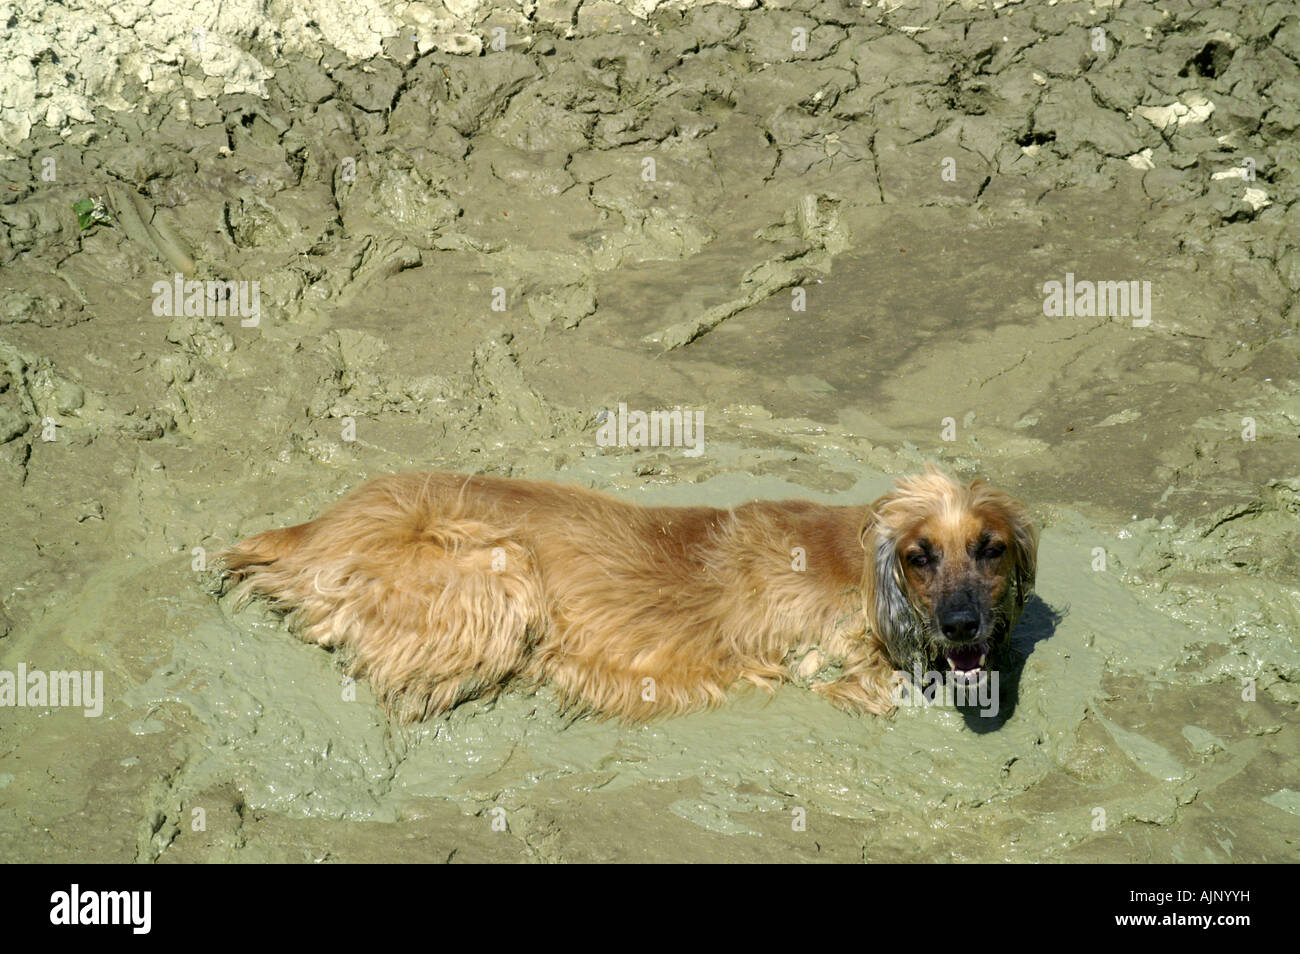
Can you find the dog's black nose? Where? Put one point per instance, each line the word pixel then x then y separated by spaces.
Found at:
pixel 960 624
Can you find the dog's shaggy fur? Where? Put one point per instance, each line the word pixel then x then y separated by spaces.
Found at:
pixel 443 587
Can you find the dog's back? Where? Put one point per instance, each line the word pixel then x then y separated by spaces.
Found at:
pixel 443 587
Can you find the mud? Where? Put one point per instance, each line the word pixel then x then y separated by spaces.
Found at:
pixel 464 254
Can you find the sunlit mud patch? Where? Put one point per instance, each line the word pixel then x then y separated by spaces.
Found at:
pixel 275 721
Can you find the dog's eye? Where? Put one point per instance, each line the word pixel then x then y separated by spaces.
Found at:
pixel 918 559
pixel 993 551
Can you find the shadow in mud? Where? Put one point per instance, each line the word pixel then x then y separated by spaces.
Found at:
pixel 1037 623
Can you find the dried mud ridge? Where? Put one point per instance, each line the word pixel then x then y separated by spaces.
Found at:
pixel 643 203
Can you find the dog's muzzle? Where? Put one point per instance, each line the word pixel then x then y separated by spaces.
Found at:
pixel 966 642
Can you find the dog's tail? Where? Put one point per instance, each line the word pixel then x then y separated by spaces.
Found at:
pixel 242 561
pixel 435 600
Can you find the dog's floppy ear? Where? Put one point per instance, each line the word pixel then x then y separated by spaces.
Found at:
pixel 891 614
pixel 1024 551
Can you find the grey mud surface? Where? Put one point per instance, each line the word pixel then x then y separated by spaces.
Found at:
pixel 1154 717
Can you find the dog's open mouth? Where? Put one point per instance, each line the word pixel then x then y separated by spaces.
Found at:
pixel 967 662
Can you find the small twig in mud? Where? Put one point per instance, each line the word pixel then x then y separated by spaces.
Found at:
pixel 762 282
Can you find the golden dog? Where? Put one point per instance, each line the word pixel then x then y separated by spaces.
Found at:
pixel 443 587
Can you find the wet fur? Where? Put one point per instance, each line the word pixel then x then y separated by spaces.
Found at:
pixel 442 587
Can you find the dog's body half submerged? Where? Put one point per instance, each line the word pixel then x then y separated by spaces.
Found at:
pixel 443 587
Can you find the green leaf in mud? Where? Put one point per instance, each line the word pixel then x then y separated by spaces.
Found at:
pixel 91 212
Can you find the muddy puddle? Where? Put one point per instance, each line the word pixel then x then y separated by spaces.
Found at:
pixel 832 229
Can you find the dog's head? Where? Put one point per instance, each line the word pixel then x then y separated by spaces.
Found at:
pixel 949 567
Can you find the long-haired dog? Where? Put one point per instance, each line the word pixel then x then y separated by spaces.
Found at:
pixel 443 587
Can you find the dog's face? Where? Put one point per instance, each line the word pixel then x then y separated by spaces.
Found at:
pixel 953 566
